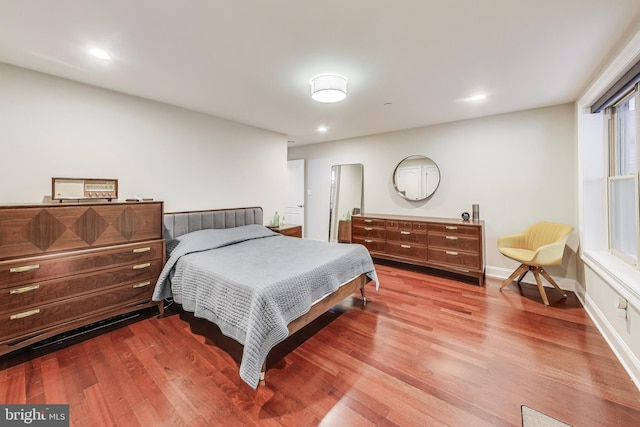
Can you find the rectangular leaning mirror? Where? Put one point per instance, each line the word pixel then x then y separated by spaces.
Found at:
pixel 346 199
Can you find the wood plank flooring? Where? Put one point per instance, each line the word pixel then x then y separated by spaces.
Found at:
pixel 424 351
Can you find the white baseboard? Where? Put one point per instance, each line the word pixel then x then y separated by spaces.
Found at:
pixel 502 273
pixel 624 354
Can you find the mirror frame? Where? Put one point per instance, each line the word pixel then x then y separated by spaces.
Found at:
pixel 415 157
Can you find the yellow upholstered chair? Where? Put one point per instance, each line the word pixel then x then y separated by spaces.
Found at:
pixel 540 245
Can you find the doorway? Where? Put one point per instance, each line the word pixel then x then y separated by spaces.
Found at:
pixel 295 192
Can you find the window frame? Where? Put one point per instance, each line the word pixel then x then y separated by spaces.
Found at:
pixel 613 175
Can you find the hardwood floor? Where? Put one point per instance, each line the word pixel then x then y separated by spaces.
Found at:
pixel 424 351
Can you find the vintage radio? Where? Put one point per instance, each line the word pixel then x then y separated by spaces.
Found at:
pixel 83 189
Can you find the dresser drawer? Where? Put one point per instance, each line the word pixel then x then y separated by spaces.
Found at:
pixel 374 246
pixel 367 232
pixel 454 258
pixel 419 226
pixel 41 293
pixel 42 317
pixel 36 269
pixel 407 250
pixel 406 225
pixel 451 229
pixel 391 224
pixel 368 222
pixel 454 242
pixel 403 236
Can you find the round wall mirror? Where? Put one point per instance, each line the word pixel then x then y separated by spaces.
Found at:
pixel 416 178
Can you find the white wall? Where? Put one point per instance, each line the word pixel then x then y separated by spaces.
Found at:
pixel 519 167
pixel 52 127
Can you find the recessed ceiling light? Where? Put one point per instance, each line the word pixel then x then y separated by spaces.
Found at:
pixel 100 54
pixel 322 129
pixel 478 97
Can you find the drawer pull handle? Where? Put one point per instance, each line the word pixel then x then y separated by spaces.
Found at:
pixel 450 227
pixel 405 246
pixel 368 228
pixel 405 232
pixel 139 266
pixel 23 290
pixel 142 285
pixel 368 220
pixel 140 250
pixel 25 314
pixel 368 241
pixel 452 238
pixel 451 253
pixel 24 268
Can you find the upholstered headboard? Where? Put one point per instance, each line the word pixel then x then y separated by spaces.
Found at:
pixel 179 223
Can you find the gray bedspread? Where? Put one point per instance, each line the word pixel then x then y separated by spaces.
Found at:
pixel 252 282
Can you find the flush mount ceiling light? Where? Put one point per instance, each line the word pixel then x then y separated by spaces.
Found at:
pixel 100 54
pixel 328 88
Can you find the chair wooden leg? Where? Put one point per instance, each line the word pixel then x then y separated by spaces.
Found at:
pixel 553 282
pixel 543 294
pixel 524 273
pixel 520 270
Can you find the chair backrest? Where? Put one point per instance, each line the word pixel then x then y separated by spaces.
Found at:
pixel 545 232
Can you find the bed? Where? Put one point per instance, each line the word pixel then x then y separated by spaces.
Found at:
pixel 257 286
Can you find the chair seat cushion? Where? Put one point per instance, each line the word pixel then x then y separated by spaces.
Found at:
pixel 522 255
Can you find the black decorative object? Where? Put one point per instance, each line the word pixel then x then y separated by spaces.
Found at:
pixel 466 216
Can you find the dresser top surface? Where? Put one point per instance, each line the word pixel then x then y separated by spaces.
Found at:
pixel 72 204
pixel 420 219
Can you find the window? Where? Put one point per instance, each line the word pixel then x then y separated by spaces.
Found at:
pixel 624 195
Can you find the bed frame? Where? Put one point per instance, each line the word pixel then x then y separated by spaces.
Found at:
pixel 178 223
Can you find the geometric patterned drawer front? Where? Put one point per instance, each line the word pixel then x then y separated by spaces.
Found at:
pixel 40 229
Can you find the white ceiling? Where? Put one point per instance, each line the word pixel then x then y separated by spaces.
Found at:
pixel 251 60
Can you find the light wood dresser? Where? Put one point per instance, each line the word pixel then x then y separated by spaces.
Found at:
pixel 63 266
pixel 447 244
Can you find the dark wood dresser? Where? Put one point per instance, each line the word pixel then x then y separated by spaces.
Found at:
pixel 447 244
pixel 63 266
